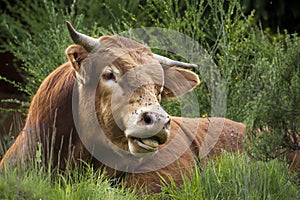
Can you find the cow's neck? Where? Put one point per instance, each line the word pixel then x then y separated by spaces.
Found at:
pixel 92 129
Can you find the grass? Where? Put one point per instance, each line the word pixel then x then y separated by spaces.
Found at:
pixel 76 185
pixel 228 177
pixel 238 177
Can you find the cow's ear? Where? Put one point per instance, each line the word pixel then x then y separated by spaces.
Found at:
pixel 76 54
pixel 178 81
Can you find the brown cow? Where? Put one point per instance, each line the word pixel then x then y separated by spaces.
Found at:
pixel 119 83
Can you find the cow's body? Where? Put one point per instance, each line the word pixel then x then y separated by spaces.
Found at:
pixel 230 139
pixel 143 130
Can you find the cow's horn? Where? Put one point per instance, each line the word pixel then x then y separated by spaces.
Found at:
pixel 167 61
pixel 87 42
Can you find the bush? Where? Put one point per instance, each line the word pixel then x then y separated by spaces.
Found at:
pixel 42 50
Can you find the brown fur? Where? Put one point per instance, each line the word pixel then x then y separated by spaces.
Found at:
pixel 50 122
pixel 50 112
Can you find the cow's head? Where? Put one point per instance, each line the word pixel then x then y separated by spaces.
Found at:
pixel 131 83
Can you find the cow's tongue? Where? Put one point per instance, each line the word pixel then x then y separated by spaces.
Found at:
pixel 150 142
pixel 147 143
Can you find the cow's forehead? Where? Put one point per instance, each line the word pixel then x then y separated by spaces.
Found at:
pixel 144 74
pixel 139 67
pixel 126 53
pixel 136 59
pixel 133 60
pixel 122 42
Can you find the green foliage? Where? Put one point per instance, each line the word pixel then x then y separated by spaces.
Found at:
pixel 113 15
pixel 235 177
pixel 229 177
pixel 43 39
pixel 262 76
pixel 80 184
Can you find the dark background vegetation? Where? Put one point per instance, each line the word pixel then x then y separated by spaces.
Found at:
pixel 255 44
pixel 276 15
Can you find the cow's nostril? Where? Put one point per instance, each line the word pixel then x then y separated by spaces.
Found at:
pixel 147 118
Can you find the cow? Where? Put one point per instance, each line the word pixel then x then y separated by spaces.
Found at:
pixel 119 83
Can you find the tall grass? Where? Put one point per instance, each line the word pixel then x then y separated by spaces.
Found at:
pixel 229 177
pixel 76 185
pixel 235 177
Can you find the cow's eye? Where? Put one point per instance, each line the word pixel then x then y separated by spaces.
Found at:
pixel 109 76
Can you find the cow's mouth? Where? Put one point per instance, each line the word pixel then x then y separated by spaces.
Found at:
pixel 150 144
pixel 144 145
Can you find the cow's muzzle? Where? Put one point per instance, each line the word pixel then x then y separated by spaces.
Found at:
pixel 147 129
